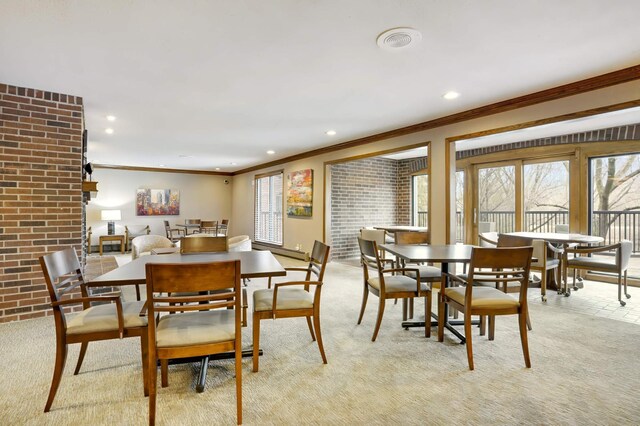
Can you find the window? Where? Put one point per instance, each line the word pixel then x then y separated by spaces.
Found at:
pixel 268 208
pixel 421 200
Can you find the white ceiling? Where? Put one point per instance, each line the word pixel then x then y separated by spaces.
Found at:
pixel 226 80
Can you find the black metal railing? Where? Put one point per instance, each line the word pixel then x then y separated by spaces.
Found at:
pixel 617 225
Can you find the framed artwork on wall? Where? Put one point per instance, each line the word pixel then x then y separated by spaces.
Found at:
pixel 157 202
pixel 300 193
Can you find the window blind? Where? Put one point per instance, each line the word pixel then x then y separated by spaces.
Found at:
pixel 268 209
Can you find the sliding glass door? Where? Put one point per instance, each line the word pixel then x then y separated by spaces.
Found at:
pixel 546 196
pixel 497 199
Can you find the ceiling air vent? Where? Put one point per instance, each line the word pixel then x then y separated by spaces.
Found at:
pixel 398 38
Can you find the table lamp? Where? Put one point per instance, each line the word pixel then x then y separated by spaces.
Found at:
pixel 111 216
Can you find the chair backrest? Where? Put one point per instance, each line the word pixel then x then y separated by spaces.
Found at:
pixel 369 257
pixel 412 238
pixel 505 240
pixel 62 274
pixel 500 265
pixel 167 228
pixel 192 221
pixel 377 235
pixel 626 247
pixel 488 239
pixel 168 278
pixel 205 244
pixel 209 225
pixel 223 227
pixel 318 261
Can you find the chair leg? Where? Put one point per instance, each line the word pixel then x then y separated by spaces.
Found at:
pixel 239 384
pixel 483 325
pixel 164 372
pixel 575 287
pixel 492 327
pixel 313 337
pixel 441 318
pixel 622 302
pixel 410 307
pixel 316 324
pixel 523 338
pixel 153 377
pixel 528 320
pixel 256 342
pixel 365 296
pixel 144 350
pixel 379 319
pixel 404 309
pixel 427 314
pixel 468 336
pixel 61 358
pixel 543 285
pixel 245 305
pixel 627 295
pixel 83 351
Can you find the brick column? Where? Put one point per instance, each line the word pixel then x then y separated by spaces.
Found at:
pixel 40 192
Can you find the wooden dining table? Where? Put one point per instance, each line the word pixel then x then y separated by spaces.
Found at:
pixel 445 254
pixel 253 264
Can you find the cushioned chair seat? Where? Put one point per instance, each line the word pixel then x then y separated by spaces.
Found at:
pixel 483 297
pixel 105 318
pixel 397 283
pixel 196 328
pixel 584 261
pixel 288 298
pixel 510 284
pixel 429 273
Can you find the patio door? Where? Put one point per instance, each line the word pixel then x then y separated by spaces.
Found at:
pixel 546 196
pixel 496 202
pixel 614 206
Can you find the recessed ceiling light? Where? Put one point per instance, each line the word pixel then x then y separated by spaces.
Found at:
pixel 331 132
pixel 234 164
pixel 451 95
pixel 108 131
pixel 217 168
pixel 271 152
pixel 185 156
pixel 162 165
pixel 398 38
pixel 111 117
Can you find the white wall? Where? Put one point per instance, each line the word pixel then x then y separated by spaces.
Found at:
pixel 305 231
pixel 201 197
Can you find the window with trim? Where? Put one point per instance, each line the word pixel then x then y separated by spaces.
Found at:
pixel 268 208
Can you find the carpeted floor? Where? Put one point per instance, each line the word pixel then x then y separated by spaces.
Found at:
pixel 583 372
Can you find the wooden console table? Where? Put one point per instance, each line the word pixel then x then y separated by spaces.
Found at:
pixel 119 238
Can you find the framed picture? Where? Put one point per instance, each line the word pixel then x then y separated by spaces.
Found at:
pixel 300 193
pixel 157 202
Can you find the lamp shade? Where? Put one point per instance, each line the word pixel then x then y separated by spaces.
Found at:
pixel 111 215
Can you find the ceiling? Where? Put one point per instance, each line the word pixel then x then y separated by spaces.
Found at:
pixel 201 85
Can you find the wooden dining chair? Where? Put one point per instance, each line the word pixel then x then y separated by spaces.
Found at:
pixel 209 227
pixel 223 227
pixel 196 228
pixel 208 322
pixel 389 283
pixel 292 299
pixel 499 265
pixel 111 320
pixel 173 234
pixel 428 273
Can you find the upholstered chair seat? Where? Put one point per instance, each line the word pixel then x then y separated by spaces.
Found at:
pixel 483 297
pixel 105 318
pixel 397 283
pixel 288 298
pixel 195 328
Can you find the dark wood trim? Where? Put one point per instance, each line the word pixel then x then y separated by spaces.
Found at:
pixel 380 153
pixel 594 83
pixel 549 120
pixel 159 170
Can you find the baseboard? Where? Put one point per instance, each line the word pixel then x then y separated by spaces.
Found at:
pixel 294 254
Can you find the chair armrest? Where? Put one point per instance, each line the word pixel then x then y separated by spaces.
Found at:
pixel 587 250
pixel 556 250
pixel 416 270
pixel 455 278
pixel 297 269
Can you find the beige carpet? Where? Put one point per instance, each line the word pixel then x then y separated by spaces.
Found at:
pixel 584 372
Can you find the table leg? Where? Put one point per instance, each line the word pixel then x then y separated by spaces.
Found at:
pixel 100 248
pixel 448 323
pixel 122 246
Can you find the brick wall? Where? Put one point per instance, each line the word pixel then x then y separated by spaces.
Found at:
pixel 406 169
pixel 363 193
pixel 40 192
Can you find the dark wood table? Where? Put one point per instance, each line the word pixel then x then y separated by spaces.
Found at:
pixel 443 254
pixel 108 238
pixel 253 264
